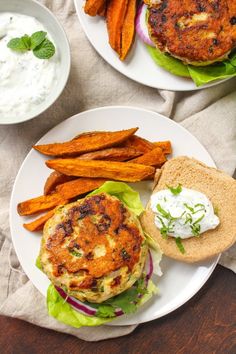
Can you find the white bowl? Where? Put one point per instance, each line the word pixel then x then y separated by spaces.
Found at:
pixel 43 15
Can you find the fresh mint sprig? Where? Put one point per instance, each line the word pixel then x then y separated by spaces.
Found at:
pixel 41 46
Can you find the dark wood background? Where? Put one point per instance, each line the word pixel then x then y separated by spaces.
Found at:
pixel 204 325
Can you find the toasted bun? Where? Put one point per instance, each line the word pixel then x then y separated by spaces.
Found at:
pixel 218 187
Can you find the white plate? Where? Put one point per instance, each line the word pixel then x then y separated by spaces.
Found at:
pixel 139 65
pixel 180 281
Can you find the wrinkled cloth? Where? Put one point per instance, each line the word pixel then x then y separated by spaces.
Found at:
pixel 208 114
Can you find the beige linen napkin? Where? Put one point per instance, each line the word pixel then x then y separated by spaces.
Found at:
pixel 209 114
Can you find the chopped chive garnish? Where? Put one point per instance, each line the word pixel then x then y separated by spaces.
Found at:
pixel 199 204
pixel 196 229
pixel 179 245
pixel 175 190
pixel 216 210
pixel 188 219
pixel 199 219
pixel 76 254
pixel 189 207
pixel 163 212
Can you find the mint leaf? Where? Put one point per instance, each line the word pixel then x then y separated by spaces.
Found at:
pixel 17 44
pixel 45 50
pixel 37 38
pixel 180 245
pixel 42 47
pixel 27 41
pixel 176 190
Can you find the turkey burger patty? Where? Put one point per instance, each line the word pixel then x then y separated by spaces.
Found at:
pixel 94 248
pixel 198 32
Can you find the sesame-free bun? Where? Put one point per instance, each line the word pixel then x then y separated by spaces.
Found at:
pixel 218 187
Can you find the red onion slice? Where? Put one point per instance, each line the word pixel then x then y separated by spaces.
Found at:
pixel 80 306
pixel 149 266
pixel 141 26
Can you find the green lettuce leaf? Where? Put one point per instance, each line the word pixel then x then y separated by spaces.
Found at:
pixel 232 58
pixel 124 193
pixel 168 62
pixel 63 312
pixel 38 263
pixel 151 290
pixel 201 75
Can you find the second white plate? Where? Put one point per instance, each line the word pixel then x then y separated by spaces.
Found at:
pixel 139 66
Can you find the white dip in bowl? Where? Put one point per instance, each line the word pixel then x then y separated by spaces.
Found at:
pixel 25 80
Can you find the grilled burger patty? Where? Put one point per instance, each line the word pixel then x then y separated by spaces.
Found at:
pixel 93 248
pixel 198 32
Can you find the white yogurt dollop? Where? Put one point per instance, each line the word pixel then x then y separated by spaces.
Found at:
pixel 25 81
pixel 186 214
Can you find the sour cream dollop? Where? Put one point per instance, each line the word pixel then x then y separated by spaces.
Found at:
pixel 185 214
pixel 25 81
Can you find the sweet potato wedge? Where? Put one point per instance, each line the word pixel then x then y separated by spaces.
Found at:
pixel 128 29
pixel 63 192
pixel 92 7
pixel 38 224
pixel 139 143
pixel 123 171
pixel 112 154
pixel 78 187
pixel 116 11
pixel 103 10
pixel 144 145
pixel 165 146
pixel 53 180
pixel 39 204
pixel 155 157
pixel 86 143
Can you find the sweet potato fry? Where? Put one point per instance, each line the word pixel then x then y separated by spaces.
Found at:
pixel 38 204
pixel 78 187
pixel 116 11
pixel 139 143
pixel 123 171
pixel 112 154
pixel 92 7
pixel 86 143
pixel 144 145
pixel 165 146
pixel 155 157
pixel 128 29
pixel 103 10
pixel 53 180
pixel 38 224
pixel 63 192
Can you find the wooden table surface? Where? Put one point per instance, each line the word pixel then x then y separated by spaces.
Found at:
pixel 204 325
